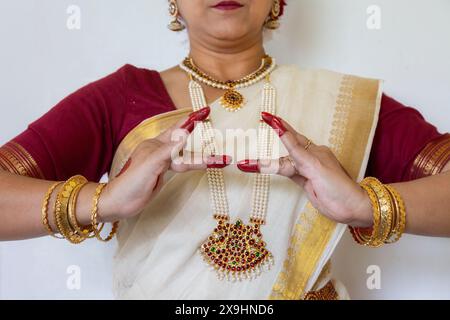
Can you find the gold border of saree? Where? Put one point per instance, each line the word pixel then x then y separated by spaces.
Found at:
pixel 147 129
pixel 356 107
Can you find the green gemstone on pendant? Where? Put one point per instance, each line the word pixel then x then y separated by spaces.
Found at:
pixel 213 249
pixel 238 223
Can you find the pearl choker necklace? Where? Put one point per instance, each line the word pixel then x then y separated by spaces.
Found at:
pixel 232 100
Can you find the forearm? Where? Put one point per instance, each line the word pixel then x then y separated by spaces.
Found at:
pixel 427 203
pixel 21 204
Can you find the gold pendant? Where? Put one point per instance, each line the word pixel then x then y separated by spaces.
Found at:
pixel 236 251
pixel 232 100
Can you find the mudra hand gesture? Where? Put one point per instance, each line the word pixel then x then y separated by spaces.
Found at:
pixel 315 168
pixel 140 178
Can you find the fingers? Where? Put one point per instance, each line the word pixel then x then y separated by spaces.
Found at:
pixel 174 139
pixel 196 161
pixel 282 166
pixel 294 142
pixel 185 126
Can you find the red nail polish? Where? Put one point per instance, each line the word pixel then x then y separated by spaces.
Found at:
pixel 247 165
pixel 275 122
pixel 199 115
pixel 218 162
pixel 267 117
pixel 202 114
pixel 125 167
pixel 189 125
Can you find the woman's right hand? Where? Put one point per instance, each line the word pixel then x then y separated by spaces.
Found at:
pixel 141 177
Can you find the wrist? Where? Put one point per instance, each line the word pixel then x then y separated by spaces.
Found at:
pixel 108 210
pixel 363 214
pixel 85 202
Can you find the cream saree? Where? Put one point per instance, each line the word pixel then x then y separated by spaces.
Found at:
pixel 157 255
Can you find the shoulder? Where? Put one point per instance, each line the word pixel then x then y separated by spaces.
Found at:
pixel 131 73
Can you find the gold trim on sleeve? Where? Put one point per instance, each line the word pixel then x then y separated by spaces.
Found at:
pixel 15 159
pixel 432 159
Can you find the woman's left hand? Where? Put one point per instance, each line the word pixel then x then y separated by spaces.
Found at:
pixel 315 168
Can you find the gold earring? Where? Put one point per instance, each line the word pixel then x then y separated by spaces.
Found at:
pixel 272 22
pixel 175 25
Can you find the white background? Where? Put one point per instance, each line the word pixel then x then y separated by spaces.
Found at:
pixel 41 61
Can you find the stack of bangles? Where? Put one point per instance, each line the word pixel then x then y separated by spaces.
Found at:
pixel 65 212
pixel 389 215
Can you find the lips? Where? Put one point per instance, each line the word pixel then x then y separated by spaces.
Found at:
pixel 228 5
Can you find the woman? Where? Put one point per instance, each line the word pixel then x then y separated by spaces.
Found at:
pixel 284 205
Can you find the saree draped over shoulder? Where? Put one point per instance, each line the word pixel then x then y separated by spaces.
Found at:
pixel 157 256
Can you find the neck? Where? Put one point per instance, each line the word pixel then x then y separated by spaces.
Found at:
pixel 227 65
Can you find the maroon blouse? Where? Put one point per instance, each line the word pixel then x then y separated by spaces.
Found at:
pixel 81 133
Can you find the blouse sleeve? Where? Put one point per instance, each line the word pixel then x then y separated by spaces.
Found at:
pixel 74 137
pixel 405 146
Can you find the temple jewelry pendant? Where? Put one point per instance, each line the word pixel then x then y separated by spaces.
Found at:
pixel 236 251
pixel 232 100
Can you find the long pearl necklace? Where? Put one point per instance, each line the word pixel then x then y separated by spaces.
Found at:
pixel 232 100
pixel 236 251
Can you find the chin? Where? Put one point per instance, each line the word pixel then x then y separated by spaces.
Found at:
pixel 229 32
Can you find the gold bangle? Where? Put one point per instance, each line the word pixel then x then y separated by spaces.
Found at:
pixel 94 215
pixel 44 210
pixel 395 217
pixel 389 215
pixel 61 209
pixel 361 235
pixel 399 228
pixel 85 232
pixel 386 205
